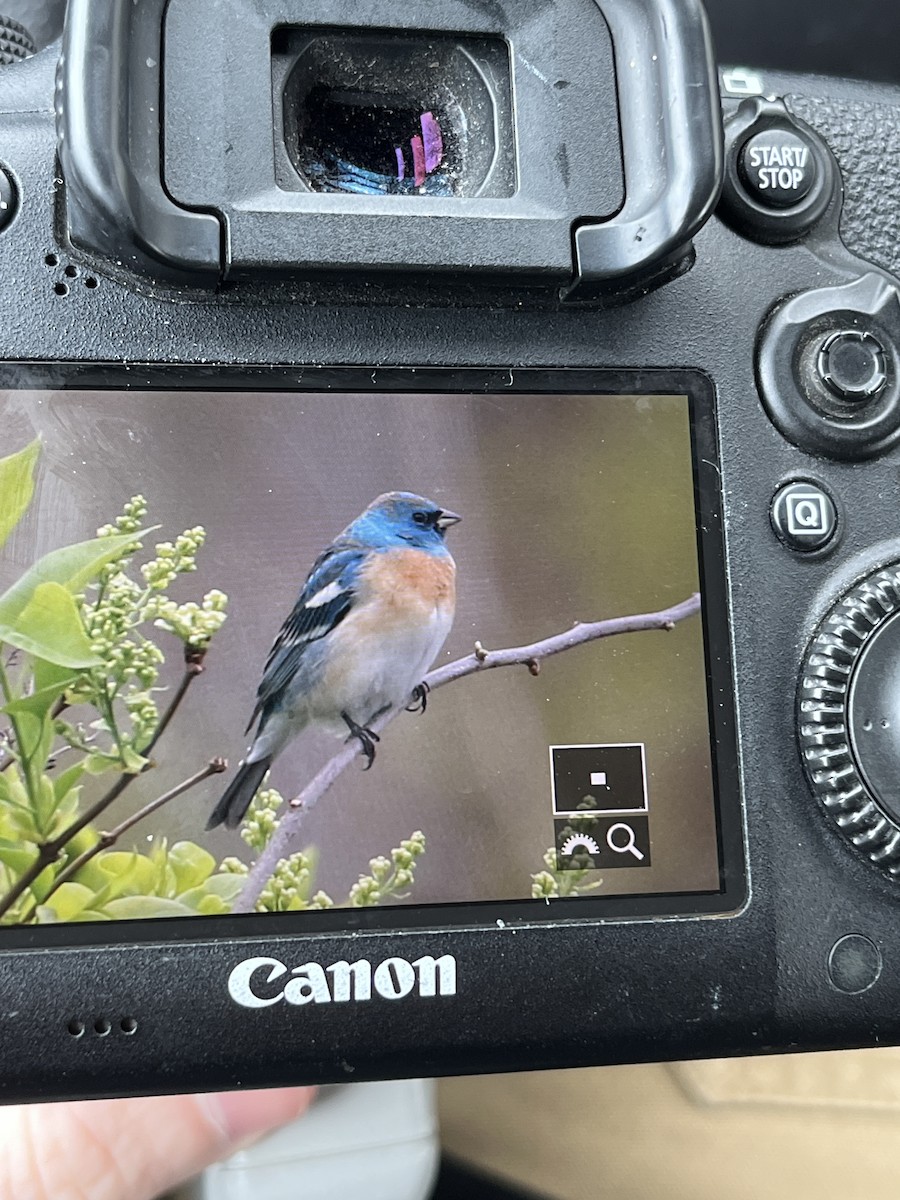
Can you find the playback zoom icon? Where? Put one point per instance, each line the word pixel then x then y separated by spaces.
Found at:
pixel 600 806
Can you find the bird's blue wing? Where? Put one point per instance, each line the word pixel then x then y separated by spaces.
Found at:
pixel 325 600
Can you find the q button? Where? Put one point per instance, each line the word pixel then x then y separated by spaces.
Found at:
pixel 804 516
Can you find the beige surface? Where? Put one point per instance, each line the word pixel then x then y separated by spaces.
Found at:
pixel 798 1127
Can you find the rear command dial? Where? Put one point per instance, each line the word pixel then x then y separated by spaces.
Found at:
pixel 849 716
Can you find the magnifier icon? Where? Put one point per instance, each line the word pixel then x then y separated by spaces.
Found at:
pixel 629 847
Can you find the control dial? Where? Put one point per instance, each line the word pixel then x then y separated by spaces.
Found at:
pixel 16 42
pixel 849 716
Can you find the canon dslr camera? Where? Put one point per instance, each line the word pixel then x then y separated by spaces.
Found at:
pixel 449 544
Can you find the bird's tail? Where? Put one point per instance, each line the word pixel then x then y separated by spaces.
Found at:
pixel 236 800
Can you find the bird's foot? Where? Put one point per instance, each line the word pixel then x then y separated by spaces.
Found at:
pixel 367 739
pixel 419 698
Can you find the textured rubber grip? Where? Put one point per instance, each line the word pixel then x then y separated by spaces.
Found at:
pixel 16 42
pixel 865 139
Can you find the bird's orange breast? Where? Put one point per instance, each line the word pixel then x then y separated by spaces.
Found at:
pixel 412 579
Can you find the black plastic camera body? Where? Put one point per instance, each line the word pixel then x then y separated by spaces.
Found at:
pixel 604 213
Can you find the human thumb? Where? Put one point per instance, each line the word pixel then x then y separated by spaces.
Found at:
pixel 131 1149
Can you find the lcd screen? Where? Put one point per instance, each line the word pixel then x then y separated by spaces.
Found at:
pixel 188 634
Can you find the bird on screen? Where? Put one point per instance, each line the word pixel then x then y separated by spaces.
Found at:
pixel 370 620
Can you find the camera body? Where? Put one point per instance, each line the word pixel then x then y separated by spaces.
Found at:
pixel 637 252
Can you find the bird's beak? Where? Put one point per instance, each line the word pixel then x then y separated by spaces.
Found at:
pixel 446 519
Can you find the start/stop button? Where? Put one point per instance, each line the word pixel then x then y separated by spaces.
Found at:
pixel 780 177
pixel 778 167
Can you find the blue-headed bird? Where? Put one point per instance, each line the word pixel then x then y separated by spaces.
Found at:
pixel 370 620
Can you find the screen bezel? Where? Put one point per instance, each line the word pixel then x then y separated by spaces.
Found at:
pixel 701 396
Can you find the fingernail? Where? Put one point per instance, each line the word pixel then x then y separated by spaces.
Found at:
pixel 245 1116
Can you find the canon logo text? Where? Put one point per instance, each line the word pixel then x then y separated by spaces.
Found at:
pixel 262 982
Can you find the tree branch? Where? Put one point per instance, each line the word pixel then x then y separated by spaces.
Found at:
pixel 107 840
pixel 193 666
pixel 283 840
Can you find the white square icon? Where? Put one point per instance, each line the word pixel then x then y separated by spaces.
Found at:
pixel 601 778
pixel 807 514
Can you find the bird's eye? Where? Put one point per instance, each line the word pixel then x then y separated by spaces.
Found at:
pixel 420 518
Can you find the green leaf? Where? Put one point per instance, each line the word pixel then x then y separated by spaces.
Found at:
pixel 101 764
pixel 13 794
pixel 46 915
pixel 34 737
pixel 192 865
pixel 44 882
pixel 50 677
pixel 16 487
pixel 226 887
pixel 132 762
pixel 131 908
pixel 194 898
pixel 92 915
pixel 223 889
pixel 16 855
pixel 46 798
pixel 118 872
pixel 50 627
pixel 29 726
pixel 64 813
pixel 64 783
pixel 69 901
pixel 36 706
pixel 73 567
pixel 84 840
